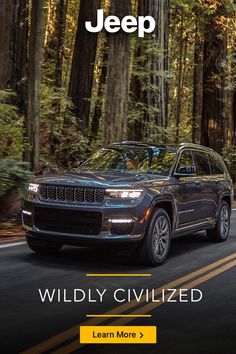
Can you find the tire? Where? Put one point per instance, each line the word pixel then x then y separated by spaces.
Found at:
pixel 43 247
pixel 221 230
pixel 155 247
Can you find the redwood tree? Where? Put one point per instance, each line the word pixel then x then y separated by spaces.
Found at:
pixel 34 70
pixel 214 108
pixel 82 72
pixel 117 87
pixel 149 89
pixel 13 44
pixel 197 80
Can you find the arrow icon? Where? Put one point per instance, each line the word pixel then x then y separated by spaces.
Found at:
pixel 141 335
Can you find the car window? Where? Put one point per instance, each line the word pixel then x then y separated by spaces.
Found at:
pixel 186 163
pixel 216 165
pixel 202 163
pixel 122 158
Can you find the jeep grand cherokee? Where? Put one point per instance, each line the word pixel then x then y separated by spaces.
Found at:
pixel 131 193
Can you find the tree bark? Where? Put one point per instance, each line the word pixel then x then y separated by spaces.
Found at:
pixel 197 83
pixel 33 101
pixel 180 79
pixel 81 79
pixel 55 39
pixel 214 108
pixel 96 119
pixel 117 88
pixel 60 30
pixel 151 92
pixel 13 44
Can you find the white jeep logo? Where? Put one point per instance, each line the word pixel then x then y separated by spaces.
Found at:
pixel 129 24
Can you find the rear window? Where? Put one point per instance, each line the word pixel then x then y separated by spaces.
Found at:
pixel 202 163
pixel 216 165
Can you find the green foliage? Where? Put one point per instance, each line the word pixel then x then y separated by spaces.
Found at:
pixel 13 174
pixel 11 126
pixel 229 156
pixel 62 143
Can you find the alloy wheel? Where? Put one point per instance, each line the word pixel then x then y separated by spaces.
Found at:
pixel 161 237
pixel 224 221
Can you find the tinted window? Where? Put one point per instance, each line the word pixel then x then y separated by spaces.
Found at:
pixel 151 160
pixel 202 163
pixel 216 165
pixel 186 163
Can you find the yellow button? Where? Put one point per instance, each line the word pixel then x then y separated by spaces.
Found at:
pixel 118 334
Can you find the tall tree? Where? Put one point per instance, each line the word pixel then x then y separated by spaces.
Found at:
pixel 117 87
pixel 183 45
pixel 55 39
pixel 81 79
pixel 33 97
pixel 149 84
pixel 214 107
pixel 13 44
pixel 97 114
pixel 197 79
pixel 60 30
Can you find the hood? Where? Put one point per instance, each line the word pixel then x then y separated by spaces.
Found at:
pixel 99 179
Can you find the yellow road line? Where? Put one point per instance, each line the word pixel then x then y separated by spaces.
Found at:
pixel 73 331
pixel 70 348
pixel 118 275
pixel 110 316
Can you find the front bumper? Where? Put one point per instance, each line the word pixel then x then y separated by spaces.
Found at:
pixel 110 230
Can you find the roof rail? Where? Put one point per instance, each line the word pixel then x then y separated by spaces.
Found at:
pixel 139 143
pixel 193 145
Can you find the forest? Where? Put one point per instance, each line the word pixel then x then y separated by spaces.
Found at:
pixel 65 92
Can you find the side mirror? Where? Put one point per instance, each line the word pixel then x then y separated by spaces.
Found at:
pixel 185 171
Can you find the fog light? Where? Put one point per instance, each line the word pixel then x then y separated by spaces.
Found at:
pixel 121 221
pixel 27 218
pixel 26 212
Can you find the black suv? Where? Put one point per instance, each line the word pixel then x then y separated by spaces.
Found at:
pixel 131 193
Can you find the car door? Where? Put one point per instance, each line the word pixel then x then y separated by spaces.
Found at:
pixel 187 192
pixel 206 200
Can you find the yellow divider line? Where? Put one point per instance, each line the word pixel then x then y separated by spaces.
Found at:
pixel 73 331
pixel 110 316
pixel 117 275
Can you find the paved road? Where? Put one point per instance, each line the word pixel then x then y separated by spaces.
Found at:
pixel 207 327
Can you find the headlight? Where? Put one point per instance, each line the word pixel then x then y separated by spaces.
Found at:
pixel 33 188
pixel 124 193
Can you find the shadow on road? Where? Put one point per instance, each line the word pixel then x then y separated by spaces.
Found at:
pixel 100 259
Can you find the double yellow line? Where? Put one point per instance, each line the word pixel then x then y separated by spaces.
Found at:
pixel 189 281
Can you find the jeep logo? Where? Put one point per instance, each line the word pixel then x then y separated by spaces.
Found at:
pixel 129 24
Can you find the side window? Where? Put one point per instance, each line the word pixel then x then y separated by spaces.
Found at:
pixel 202 163
pixel 186 163
pixel 216 165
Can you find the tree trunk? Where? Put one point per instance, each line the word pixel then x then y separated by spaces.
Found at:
pixel 214 108
pixel 13 44
pixel 151 91
pixel 117 88
pixel 197 83
pixel 180 79
pixel 55 39
pixel 33 101
pixel 81 79
pixel 60 30
pixel 98 104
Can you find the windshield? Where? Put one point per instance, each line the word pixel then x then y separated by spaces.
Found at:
pixel 153 160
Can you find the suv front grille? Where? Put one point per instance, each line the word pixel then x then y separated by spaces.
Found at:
pixel 71 194
pixel 68 221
